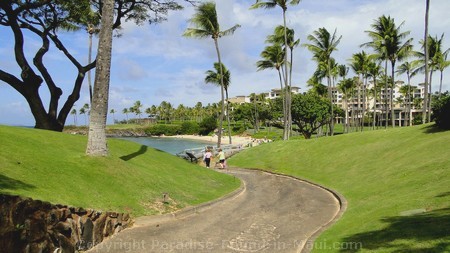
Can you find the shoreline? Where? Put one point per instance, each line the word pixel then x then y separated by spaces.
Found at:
pixel 213 139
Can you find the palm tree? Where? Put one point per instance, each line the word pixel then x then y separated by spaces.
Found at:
pixel 437 61
pixel 136 108
pixel 112 111
pixel 126 111
pixel 270 4
pixel 214 77
pixel 346 86
pixel 207 25
pixel 74 113
pixel 359 64
pixel 374 71
pixel 83 111
pixel 322 45
pixel 442 64
pixel 278 38
pixel 273 58
pixel 96 136
pixel 387 41
pixel 408 69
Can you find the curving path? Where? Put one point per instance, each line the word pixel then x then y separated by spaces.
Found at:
pixel 271 214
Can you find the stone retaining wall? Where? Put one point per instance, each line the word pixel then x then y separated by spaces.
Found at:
pixel 28 225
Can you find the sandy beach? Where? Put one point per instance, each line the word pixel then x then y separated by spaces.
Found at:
pixel 213 139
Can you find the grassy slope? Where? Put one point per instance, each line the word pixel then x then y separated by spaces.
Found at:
pixel 382 174
pixel 53 167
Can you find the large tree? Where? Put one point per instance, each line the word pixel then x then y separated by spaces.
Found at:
pixel 46 20
pixel 310 112
pixel 206 25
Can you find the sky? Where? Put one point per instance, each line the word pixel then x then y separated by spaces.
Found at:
pixel 155 63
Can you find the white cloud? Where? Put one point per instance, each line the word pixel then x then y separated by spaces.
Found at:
pixel 155 63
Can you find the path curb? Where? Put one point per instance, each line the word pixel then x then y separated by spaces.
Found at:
pixel 185 212
pixel 339 197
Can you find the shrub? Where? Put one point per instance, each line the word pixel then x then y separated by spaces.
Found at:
pixel 207 125
pixel 190 127
pixel 159 129
pixel 441 111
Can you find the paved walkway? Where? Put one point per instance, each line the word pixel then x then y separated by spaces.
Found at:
pixel 271 214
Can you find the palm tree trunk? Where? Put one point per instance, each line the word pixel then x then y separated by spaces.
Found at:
pixel 97 145
pixel 222 109
pixel 386 106
pixel 330 96
pixel 425 102
pixel 364 102
pixel 409 100
pixel 375 102
pixel 430 94
pixel 283 98
pixel 287 91
pixel 89 72
pixel 228 117
pixel 392 93
pixel 440 83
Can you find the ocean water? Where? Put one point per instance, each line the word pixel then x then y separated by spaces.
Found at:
pixel 169 145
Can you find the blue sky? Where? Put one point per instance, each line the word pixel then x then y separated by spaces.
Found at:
pixel 154 63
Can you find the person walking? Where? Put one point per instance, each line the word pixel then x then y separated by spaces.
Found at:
pixel 221 156
pixel 207 157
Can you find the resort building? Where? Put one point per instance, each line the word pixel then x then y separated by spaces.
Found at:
pixel 357 106
pixel 272 94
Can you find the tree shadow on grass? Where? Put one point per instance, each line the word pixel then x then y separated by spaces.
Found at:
pixel 141 151
pixel 7 183
pixel 427 232
pixel 433 129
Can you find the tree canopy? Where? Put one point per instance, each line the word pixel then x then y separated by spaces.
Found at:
pixel 46 20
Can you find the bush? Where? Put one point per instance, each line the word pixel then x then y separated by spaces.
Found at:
pixel 207 125
pixel 158 129
pixel 441 111
pixel 190 127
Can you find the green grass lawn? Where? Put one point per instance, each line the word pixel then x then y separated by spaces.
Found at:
pixel 387 177
pixel 53 167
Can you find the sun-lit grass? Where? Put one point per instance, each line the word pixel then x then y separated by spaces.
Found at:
pixel 53 167
pixel 383 174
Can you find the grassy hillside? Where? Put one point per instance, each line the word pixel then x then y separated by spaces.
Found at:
pixel 52 166
pixel 396 182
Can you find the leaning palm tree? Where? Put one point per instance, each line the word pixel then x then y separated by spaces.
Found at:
pixel 207 25
pixel 322 45
pixel 387 41
pixel 214 77
pixel 283 4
